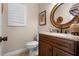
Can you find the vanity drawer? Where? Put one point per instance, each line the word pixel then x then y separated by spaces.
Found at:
pixel 59 52
pixel 65 44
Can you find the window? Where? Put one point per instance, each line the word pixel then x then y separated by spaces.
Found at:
pixel 16 14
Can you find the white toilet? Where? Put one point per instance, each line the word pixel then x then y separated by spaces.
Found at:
pixel 32 46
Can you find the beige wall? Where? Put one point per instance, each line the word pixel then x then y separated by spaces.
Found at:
pixel 0 21
pixel 48 7
pixel 0 29
pixel 19 36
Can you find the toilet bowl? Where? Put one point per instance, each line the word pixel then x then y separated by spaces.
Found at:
pixel 32 46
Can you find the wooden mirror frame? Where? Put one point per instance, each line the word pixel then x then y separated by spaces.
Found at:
pixel 54 23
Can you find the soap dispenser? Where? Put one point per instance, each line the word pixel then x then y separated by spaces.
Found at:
pixel 51 29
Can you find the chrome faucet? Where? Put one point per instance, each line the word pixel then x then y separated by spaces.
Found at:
pixel 60 29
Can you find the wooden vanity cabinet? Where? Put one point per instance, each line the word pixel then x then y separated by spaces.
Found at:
pixel 54 46
pixel 45 49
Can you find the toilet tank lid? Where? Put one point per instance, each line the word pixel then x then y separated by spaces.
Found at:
pixel 32 43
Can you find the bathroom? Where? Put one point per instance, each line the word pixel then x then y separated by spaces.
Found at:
pixel 33 28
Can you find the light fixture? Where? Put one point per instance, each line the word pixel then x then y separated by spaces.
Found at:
pixel 74 10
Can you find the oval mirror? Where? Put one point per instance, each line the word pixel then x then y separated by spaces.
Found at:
pixel 60 15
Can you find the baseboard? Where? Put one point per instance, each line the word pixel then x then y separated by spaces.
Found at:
pixel 14 53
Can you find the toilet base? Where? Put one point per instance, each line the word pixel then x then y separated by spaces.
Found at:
pixel 33 52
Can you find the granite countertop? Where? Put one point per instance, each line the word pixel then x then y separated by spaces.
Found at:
pixel 62 35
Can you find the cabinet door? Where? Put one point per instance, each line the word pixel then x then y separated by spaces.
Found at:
pixel 45 49
pixel 59 52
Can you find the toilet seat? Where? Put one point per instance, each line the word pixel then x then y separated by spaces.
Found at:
pixel 32 44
